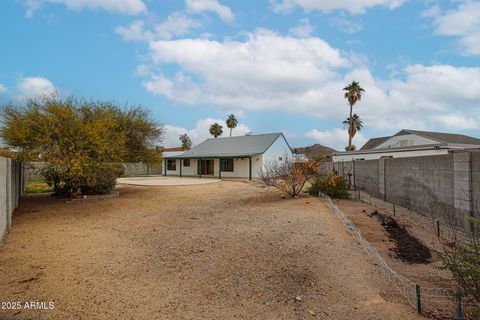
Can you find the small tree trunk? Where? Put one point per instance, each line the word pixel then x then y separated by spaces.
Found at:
pixel 350 124
pixel 230 132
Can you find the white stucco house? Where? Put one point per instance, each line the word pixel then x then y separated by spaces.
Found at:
pixel 234 157
pixel 409 143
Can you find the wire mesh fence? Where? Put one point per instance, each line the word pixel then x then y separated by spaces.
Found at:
pixel 436 303
pixel 447 232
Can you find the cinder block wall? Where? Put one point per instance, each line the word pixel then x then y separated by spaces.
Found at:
pixel 32 169
pixel 422 184
pixel 10 190
pixel 443 187
pixel 366 176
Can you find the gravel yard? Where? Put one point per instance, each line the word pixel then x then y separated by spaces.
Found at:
pixel 228 250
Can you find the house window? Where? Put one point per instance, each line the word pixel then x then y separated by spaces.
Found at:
pixel 171 164
pixel 186 162
pixel 226 165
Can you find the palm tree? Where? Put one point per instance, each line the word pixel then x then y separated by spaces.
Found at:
pixel 186 141
pixel 216 130
pixel 353 124
pixel 231 123
pixel 353 94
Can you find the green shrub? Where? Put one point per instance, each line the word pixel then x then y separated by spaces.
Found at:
pixel 118 168
pixel 97 179
pixel 57 178
pixel 332 185
pixel 463 261
pixel 101 180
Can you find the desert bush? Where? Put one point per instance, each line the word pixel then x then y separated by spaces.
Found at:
pixel 77 138
pixel 288 176
pixel 101 180
pixel 463 260
pixel 331 185
pixel 57 178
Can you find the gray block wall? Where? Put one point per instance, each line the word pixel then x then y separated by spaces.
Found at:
pixel 367 176
pixel 32 170
pixel 443 187
pixel 422 184
pixel 11 187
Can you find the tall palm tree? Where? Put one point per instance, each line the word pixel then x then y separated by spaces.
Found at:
pixel 353 124
pixel 353 94
pixel 231 123
pixel 216 130
pixel 186 141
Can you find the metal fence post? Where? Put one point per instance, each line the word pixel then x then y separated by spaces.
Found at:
pixel 419 300
pixel 438 228
pixel 394 209
pixel 459 306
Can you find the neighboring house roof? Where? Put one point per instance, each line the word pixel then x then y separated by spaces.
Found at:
pixel 372 143
pixel 442 137
pixel 247 145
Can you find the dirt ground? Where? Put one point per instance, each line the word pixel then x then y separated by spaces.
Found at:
pixel 413 260
pixel 230 250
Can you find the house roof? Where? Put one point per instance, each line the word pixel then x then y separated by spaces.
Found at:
pixel 442 137
pixel 240 146
pixel 372 143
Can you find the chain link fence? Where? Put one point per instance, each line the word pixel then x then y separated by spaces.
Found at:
pixel 435 303
pixel 447 232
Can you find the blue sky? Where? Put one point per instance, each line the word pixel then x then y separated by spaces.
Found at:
pixel 278 65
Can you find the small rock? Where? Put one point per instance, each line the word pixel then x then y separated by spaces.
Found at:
pixel 298 298
pixel 312 313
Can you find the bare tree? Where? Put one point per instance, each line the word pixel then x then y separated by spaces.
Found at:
pixel 288 176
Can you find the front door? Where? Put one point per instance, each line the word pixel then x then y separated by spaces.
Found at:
pixel 206 167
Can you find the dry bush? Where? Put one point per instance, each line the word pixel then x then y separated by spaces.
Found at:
pixel 288 176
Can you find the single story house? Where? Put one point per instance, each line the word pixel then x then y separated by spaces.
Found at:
pixel 234 157
pixel 409 143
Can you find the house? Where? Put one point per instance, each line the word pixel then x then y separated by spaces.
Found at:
pixel 234 157
pixel 315 152
pixel 409 143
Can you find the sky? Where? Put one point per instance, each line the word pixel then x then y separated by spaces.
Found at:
pixel 278 65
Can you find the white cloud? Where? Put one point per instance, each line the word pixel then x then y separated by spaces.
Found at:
pixel 335 138
pixel 345 24
pixel 35 87
pixel 129 7
pixel 265 72
pixel 2 88
pixel 270 72
pixel 177 24
pixel 304 29
pixel 462 22
pixel 134 31
pixel 327 6
pixel 200 132
pixel 457 122
pixel 224 12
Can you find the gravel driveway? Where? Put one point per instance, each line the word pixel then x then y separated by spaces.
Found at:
pixel 229 250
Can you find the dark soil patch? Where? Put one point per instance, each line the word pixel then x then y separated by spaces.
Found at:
pixel 407 247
